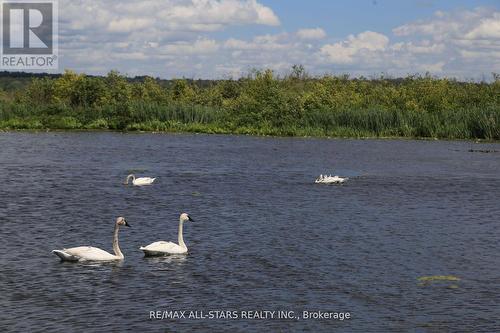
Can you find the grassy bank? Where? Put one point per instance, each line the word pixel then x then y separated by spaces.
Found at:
pixel 262 104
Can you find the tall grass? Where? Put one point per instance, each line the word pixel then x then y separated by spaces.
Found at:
pixel 459 124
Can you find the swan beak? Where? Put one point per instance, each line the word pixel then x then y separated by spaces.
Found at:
pixel 126 224
pixel 190 219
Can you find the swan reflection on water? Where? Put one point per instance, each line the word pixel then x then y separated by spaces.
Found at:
pixel 171 259
pixel 174 264
pixel 103 264
pixel 91 270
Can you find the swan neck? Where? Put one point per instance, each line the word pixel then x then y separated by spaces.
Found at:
pixel 116 246
pixel 181 239
pixel 128 178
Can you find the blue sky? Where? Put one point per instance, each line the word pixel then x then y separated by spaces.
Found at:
pixel 347 17
pixel 227 38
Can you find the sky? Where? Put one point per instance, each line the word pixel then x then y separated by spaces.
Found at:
pixel 227 38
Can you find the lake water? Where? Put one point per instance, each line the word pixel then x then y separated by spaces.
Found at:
pixel 265 237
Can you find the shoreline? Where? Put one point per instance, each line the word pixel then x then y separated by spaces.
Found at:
pixel 228 133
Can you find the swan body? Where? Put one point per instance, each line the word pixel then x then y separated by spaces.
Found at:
pixel 91 253
pixel 85 253
pixel 330 179
pixel 161 248
pixel 141 181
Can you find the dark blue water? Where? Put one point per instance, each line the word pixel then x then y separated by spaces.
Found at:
pixel 265 237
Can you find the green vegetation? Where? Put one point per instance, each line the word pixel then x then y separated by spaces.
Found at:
pixel 438 278
pixel 260 103
pixel 448 280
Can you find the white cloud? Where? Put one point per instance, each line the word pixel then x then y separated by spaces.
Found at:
pixel 435 68
pixel 316 33
pixel 261 43
pixel 344 52
pixel 128 24
pixel 265 15
pixel 462 37
pixel 199 47
pixel 84 16
pixel 423 47
pixel 480 23
pixel 488 28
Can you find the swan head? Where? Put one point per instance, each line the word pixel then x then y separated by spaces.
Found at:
pixel 128 178
pixel 185 217
pixel 122 221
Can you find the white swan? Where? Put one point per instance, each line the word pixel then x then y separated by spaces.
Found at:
pixel 94 253
pixel 330 179
pixel 163 248
pixel 139 181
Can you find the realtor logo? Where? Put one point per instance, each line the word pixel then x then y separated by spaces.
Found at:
pixel 29 34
